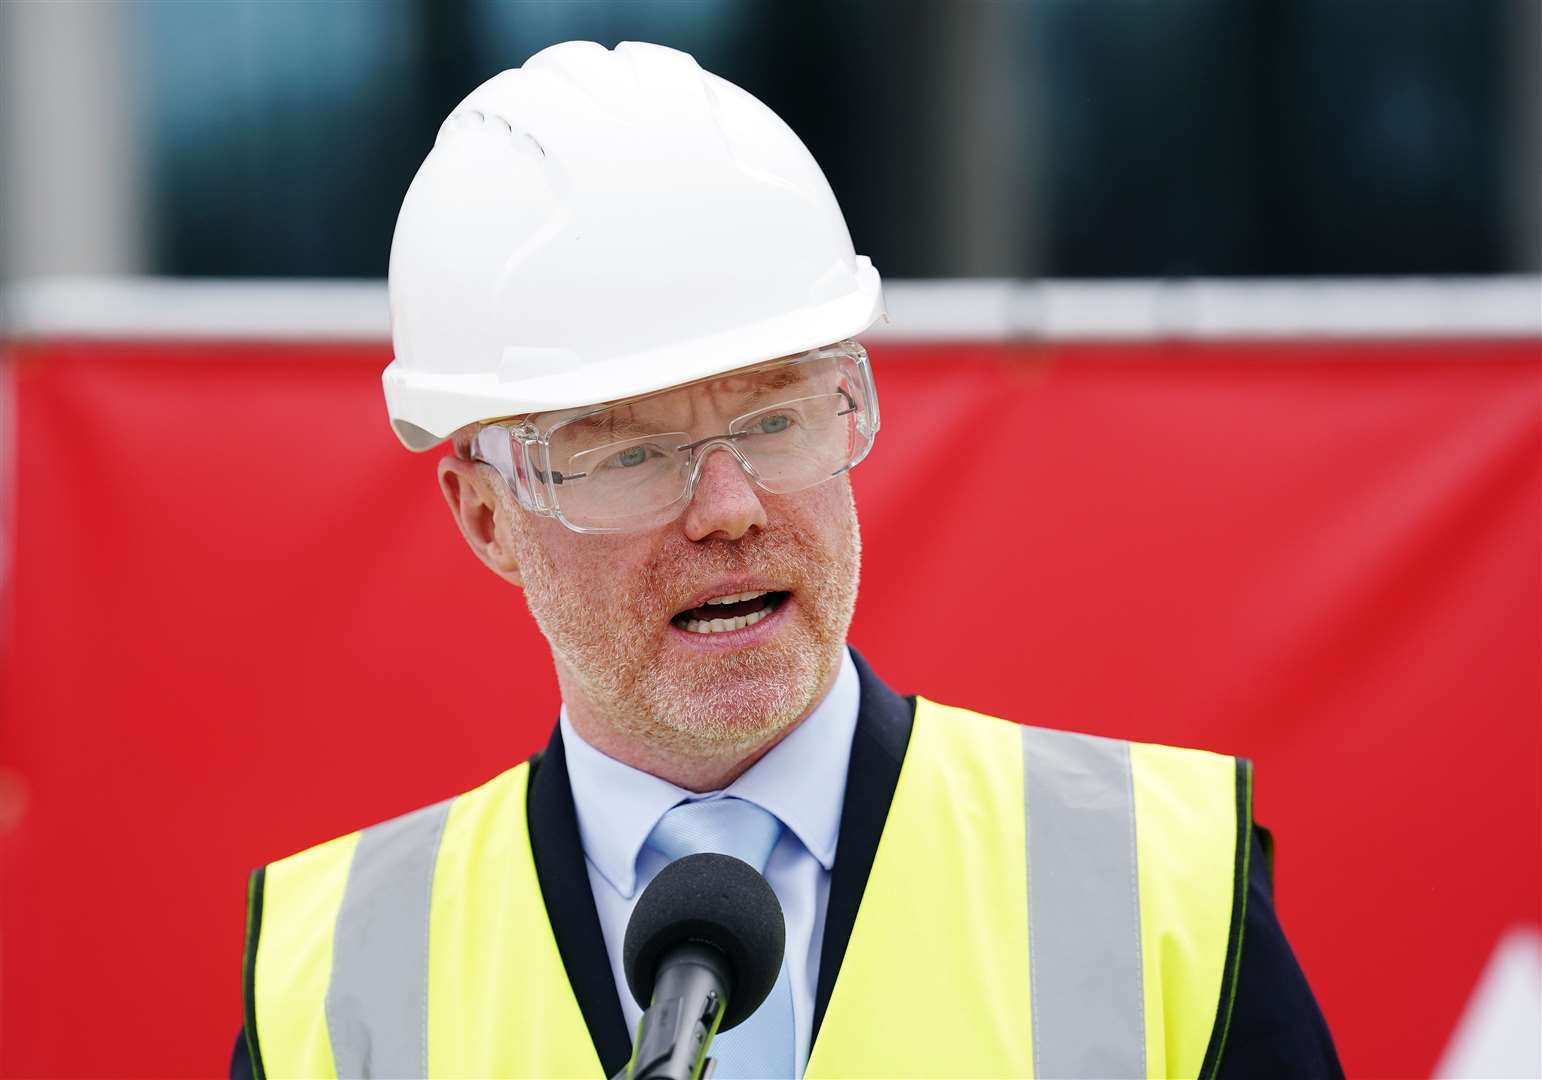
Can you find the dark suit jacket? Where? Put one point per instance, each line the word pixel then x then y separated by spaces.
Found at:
pixel 1276 1027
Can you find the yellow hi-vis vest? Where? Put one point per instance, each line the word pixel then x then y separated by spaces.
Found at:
pixel 1040 904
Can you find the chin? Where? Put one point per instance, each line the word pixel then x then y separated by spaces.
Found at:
pixel 738 700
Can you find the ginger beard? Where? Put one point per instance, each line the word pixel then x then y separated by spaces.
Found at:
pixel 614 636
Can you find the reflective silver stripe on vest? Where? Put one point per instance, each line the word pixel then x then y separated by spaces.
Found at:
pixel 1083 907
pixel 377 1001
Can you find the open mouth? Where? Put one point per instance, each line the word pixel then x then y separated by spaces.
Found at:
pixel 733 612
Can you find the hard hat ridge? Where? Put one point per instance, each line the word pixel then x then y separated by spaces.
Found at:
pixel 602 223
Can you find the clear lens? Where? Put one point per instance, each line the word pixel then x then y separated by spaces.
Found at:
pixel 632 465
pixel 616 482
pixel 796 444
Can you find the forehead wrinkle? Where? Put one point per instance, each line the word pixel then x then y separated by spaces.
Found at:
pixel 617 424
pixel 613 423
pixel 757 382
pixel 746 392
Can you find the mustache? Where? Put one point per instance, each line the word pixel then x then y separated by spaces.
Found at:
pixel 682 571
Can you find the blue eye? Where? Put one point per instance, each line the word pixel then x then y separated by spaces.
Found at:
pixel 770 425
pixel 633 456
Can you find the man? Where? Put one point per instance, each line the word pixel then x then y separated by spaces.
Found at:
pixel 623 290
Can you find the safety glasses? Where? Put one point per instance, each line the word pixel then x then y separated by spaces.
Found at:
pixel 632 465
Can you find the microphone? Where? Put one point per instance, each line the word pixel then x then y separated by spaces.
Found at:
pixel 702 951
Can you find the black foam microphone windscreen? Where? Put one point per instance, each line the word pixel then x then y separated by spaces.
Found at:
pixel 717 901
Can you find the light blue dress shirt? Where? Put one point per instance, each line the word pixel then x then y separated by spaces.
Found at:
pixel 802 780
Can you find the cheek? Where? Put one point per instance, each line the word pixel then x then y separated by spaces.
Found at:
pixel 600 564
pixel 825 513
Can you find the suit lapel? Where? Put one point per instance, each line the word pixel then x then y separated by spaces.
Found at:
pixel 884 720
pixel 575 923
pixel 878 745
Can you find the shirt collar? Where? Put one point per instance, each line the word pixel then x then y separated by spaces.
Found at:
pixel 802 780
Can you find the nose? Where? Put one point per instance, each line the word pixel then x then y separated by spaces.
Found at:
pixel 726 503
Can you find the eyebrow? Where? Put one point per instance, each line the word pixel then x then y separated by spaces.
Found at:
pixel 773 379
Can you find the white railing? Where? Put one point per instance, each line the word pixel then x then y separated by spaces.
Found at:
pixel 930 311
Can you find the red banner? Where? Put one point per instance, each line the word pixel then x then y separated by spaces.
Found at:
pixel 241 622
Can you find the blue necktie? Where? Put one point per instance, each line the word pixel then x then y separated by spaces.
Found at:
pixel 762 1046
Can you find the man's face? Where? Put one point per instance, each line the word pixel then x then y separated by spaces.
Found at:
pixel 624 612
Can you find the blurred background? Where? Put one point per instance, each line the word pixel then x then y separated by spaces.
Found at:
pixel 1236 306
pixel 1058 138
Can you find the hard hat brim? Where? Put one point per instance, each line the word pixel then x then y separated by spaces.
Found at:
pixel 425 408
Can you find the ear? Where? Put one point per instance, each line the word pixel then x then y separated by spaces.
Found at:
pixel 474 492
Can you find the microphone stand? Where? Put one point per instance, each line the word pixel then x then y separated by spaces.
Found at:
pixel 677 1028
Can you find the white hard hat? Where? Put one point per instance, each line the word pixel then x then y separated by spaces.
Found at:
pixel 597 225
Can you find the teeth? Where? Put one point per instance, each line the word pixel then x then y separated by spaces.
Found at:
pixel 718 626
pixel 735 598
